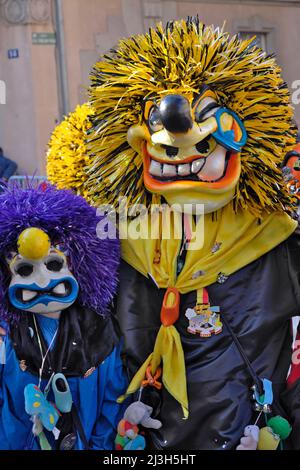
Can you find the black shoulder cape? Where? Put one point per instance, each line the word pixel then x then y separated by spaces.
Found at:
pixel 83 341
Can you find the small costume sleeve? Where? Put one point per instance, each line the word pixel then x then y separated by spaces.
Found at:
pixel 112 384
pixel 293 256
pixel 291 397
pixel 10 169
pixel 4 444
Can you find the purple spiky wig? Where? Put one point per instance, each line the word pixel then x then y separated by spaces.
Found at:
pixel 69 221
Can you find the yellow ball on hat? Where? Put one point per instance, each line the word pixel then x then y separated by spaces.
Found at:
pixel 33 243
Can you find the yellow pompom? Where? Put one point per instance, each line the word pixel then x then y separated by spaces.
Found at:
pixel 267 439
pixel 33 243
pixel 67 154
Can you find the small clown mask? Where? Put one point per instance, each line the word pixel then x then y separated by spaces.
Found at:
pixel 41 281
pixel 291 169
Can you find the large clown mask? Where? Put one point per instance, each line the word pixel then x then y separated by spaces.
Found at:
pixel 41 281
pixel 167 120
pixel 191 149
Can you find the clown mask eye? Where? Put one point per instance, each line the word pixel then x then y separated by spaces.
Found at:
pixel 155 123
pixel 54 264
pixel 205 109
pixel 24 269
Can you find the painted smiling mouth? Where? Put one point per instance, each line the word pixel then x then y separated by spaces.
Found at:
pixel 210 169
pixel 61 290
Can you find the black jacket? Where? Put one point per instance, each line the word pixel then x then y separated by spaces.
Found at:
pixel 259 302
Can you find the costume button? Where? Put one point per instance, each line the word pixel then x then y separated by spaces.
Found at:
pixel 219 442
pixel 68 442
pixel 222 278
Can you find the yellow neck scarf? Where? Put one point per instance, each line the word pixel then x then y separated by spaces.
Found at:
pixel 230 241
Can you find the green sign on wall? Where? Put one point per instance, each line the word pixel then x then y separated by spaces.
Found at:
pixel 43 38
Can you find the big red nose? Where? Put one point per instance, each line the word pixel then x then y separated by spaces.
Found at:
pixel 175 113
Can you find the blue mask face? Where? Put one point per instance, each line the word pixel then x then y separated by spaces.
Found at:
pixel 42 286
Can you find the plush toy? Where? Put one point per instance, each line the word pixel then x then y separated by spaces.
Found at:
pixel 277 430
pixel 37 405
pixel 250 439
pixel 137 413
pixel 267 438
pixel 128 437
pixel 191 126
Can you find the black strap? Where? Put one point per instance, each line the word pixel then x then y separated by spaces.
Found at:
pixel 240 348
pixel 79 428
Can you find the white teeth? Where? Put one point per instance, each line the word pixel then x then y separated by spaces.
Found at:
pixel 197 165
pixel 169 170
pixel 210 168
pixel 155 168
pixel 184 170
pixel 28 295
pixel 60 289
pixel 214 166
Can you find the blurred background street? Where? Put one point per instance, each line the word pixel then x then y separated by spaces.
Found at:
pixel 47 48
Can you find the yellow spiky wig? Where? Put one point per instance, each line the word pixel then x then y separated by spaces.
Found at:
pixel 183 56
pixel 67 152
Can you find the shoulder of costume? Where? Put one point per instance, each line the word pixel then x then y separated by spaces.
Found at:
pixel 99 333
pixel 95 335
pixel 293 241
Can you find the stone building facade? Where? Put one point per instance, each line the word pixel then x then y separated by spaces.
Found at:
pixel 28 56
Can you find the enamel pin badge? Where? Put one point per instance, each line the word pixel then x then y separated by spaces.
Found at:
pixel 204 319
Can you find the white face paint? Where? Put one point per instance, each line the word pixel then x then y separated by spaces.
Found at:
pixel 42 286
